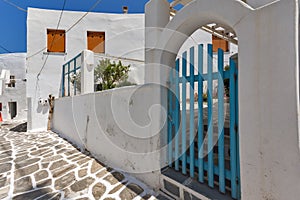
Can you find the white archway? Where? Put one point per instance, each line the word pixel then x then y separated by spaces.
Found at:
pixel 268 86
pixel 188 20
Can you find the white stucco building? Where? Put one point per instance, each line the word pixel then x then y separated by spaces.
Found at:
pixel 127 127
pixel 268 119
pixel 13 86
pixel 123 37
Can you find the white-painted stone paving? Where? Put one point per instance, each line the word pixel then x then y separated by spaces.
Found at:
pixel 44 166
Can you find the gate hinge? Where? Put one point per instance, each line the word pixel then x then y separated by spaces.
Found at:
pixel 237 180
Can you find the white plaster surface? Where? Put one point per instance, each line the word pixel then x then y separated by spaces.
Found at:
pixel 87 72
pixel 268 97
pixel 13 64
pixel 116 126
pixel 124 38
pixel 268 90
pixel 136 74
pixel 259 3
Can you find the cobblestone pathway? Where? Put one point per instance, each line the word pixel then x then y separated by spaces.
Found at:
pixel 45 166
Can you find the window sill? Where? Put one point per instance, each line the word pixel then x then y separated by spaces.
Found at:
pixel 225 53
pixel 101 54
pixel 55 53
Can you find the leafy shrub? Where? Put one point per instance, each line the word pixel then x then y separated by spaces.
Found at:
pixel 107 75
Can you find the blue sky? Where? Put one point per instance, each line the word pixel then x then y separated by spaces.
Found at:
pixel 13 16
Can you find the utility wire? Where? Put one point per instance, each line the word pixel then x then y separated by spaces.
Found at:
pixel 37 87
pixel 71 27
pixel 58 23
pixel 14 5
pixel 83 16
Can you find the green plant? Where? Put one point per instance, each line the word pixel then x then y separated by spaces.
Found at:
pixel 110 74
pixel 107 75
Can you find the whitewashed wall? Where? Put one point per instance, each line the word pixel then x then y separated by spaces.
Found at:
pixel 124 35
pixel 268 82
pixel 205 38
pixel 116 126
pixel 137 69
pixel 13 64
pixel 124 38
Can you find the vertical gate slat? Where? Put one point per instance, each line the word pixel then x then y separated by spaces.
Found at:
pixel 200 114
pixel 75 75
pixel 192 156
pixel 232 130
pixel 210 116
pixel 170 119
pixel 63 81
pixel 69 79
pixel 191 139
pixel 237 132
pixel 183 119
pixel 176 113
pixel 221 121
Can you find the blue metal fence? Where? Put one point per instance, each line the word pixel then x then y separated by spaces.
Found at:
pixel 196 147
pixel 69 71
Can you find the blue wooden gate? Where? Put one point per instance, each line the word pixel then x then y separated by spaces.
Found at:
pixel 69 69
pixel 203 136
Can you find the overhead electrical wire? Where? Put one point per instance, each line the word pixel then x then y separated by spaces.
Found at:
pixel 58 23
pixel 37 87
pixel 71 27
pixel 14 5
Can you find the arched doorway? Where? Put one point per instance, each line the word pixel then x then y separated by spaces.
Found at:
pixel 185 150
pixel 267 119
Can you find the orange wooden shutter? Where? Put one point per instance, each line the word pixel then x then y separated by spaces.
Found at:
pixel 96 41
pixel 56 40
pixel 219 43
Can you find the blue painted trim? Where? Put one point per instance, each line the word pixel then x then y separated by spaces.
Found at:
pixel 64 73
pixel 69 79
pixel 170 118
pixel 210 116
pixel 71 71
pixel 237 133
pixel 216 168
pixel 63 82
pixel 77 56
pixel 200 114
pixel 183 118
pixel 192 86
pixel 233 154
pixel 75 74
pixel 221 154
pixel 215 76
pixel 180 146
pixel 176 113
